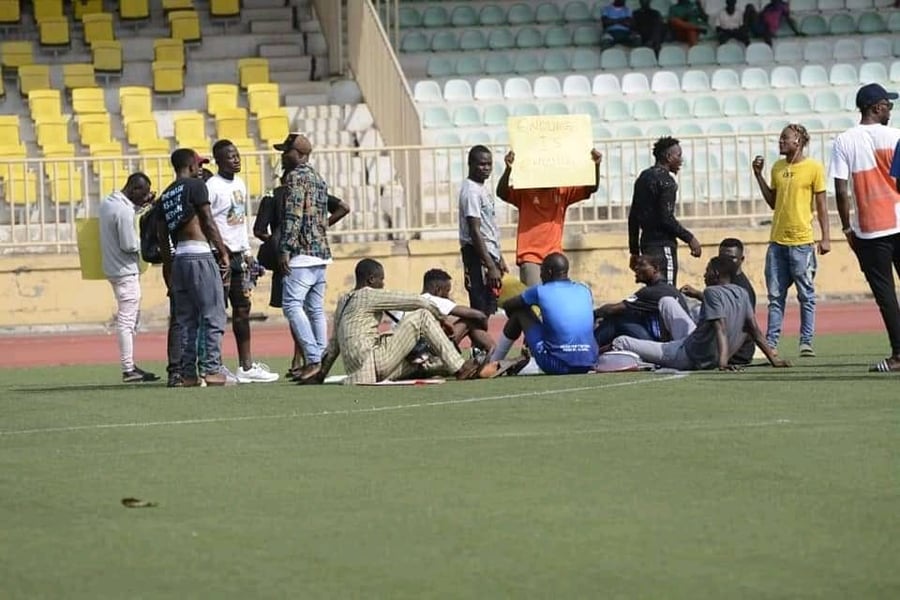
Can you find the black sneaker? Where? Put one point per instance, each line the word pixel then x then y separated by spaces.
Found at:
pixel 148 376
pixel 138 376
pixel 174 381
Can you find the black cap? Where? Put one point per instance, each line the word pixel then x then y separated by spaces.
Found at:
pixel 288 142
pixel 869 95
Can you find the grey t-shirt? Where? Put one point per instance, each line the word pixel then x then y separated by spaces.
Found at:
pixel 731 304
pixel 476 200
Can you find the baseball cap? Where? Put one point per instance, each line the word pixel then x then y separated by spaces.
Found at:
pixel 288 142
pixel 871 94
pixel 202 160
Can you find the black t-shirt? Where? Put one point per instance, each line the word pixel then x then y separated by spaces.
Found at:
pixel 744 356
pixel 646 300
pixel 651 218
pixel 181 200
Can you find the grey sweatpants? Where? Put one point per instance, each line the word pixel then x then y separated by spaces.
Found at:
pixel 199 299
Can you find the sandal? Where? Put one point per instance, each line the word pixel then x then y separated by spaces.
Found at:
pixel 884 366
pixel 309 375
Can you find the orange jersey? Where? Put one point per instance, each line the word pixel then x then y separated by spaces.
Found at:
pixel 542 215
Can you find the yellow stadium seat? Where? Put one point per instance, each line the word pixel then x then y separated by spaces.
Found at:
pixel 16 54
pixel 190 127
pixel 231 123
pixel 157 147
pixel 12 151
pixel 252 70
pixel 221 96
pixel 44 103
pixel 2 89
pixel 107 57
pixel 140 127
pixel 9 130
pixel 185 25
pixel 224 9
pixel 54 32
pixel 168 50
pixel 158 169
pixel 273 125
pixel 79 75
pixel 98 27
pixel 251 166
pixel 87 101
pixel 135 100
pixel 61 150
pixel 83 8
pixel 20 184
pixel 52 131
pixel 10 12
pixel 263 96
pixel 47 9
pixel 134 10
pixel 94 129
pixel 168 78
pixel 170 5
pixel 33 77
pixel 109 167
pixel 66 181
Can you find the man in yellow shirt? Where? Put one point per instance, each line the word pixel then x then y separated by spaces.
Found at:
pixel 797 187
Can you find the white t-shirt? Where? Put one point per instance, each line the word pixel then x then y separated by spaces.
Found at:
pixel 730 22
pixel 476 200
pixel 444 305
pixel 228 203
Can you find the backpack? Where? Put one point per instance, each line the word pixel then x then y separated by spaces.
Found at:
pixel 148 228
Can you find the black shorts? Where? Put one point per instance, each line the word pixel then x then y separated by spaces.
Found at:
pixel 238 293
pixel 480 296
pixel 277 294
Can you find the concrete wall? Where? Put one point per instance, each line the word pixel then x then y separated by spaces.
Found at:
pixel 47 290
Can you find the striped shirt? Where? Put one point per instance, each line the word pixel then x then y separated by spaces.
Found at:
pixel 863 156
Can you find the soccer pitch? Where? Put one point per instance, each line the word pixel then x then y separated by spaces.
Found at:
pixel 763 484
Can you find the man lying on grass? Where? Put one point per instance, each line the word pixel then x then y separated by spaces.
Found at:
pixel 726 319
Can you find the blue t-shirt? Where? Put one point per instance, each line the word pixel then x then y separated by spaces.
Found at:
pixel 616 12
pixel 895 164
pixel 567 316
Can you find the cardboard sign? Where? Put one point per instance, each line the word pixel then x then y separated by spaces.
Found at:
pixel 552 151
pixel 89 253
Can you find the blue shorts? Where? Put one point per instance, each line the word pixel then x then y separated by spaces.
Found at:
pixel 549 363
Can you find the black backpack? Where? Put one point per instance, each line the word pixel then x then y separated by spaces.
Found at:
pixel 148 226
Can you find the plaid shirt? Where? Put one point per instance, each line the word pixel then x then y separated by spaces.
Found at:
pixel 305 214
pixel 356 334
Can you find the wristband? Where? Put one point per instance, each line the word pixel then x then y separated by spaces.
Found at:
pixel 847 230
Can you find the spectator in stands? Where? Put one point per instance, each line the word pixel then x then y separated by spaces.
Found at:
pixel 652 225
pixel 542 216
pixel 618 25
pixel 120 251
pixel 770 19
pixel 648 23
pixel 730 24
pixel 228 202
pixel 797 189
pixel 752 23
pixel 479 236
pixel 688 21
pixel 861 156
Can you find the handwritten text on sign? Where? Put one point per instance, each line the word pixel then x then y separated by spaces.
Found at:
pixel 552 151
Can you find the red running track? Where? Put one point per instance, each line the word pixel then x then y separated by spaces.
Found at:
pixel 272 340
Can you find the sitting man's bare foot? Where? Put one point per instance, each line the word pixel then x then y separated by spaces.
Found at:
pixel 469 370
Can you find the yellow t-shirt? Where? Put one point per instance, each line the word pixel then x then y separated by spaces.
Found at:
pixel 795 186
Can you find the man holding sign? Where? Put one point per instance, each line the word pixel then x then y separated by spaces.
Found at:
pixel 542 215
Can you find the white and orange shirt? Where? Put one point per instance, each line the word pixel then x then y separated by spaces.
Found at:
pixel 863 156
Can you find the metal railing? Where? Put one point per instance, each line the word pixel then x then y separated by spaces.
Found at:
pixel 41 198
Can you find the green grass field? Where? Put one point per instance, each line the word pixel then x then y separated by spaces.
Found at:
pixel 762 484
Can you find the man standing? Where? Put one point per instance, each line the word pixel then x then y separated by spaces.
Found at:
pixel 228 202
pixel 562 339
pixel 726 318
pixel 542 216
pixel 798 186
pixel 479 237
pixel 864 154
pixel 120 247
pixel 195 279
pixel 652 226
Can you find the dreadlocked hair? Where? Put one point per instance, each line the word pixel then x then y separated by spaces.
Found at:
pixel 801 132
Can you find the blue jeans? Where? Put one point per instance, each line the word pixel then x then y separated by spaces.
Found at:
pixel 786 265
pixel 303 304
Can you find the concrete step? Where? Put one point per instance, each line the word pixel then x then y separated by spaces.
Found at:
pixel 263 4
pixel 289 77
pixel 280 13
pixel 272 26
pixel 290 64
pixel 281 50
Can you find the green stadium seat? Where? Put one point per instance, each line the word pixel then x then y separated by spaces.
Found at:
pixel 759 53
pixel 676 108
pixel 813 25
pixel 554 109
pixel 498 64
pixel 457 90
pixel 672 57
pixel 492 15
pixel 527 109
pixel 585 60
pixel 642 58
pixel 409 17
pixel 841 24
pixel 557 37
pixel 445 41
pixel 427 91
pixel 547 86
pixel 665 82
pixel 548 13
pixel 529 37
pixel 797 104
pixel 496 115
pixel 436 117
pixel 706 107
pixel 871 22
pixel 556 61
pixel 520 14
pixel 586 108
pixel 847 50
pixel 501 39
pixel 842 74
pixel 646 110
pixel 527 64
pixel 488 89
pixel 736 106
pixel 813 76
pixel 464 16
pixel 730 53
pixel 469 65
pixel 576 12
pixel 701 55
pixel 440 66
pixel 877 47
pixel 635 84
pixel 767 105
pixel 893 23
pixel 612 59
pixel 576 86
pixel 606 84
pixel 414 41
pixel 784 77
pixel 435 16
pixel 788 52
pixel 466 116
pixel 586 35
pixel 872 72
pixel 473 39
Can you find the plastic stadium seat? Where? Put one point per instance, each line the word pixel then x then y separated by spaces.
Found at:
pixel 843 74
pixel 16 54
pixel 273 125
pixel 526 64
pixel 168 50
pixel 457 90
pixel 576 11
pixel 736 106
pixel 252 71
pixel 642 58
pixel 750 126
pixel 263 96
pixel 676 108
pixel 841 123
pixel 754 78
pixel 520 14
pixel 586 108
pixel 635 83
pixel 629 131
pixel 469 65
pixel 463 16
pixel 89 100
pixel 488 89
pixel 54 32
pixel 189 126
pixel 894 22
pixel 612 59
pixel 436 117
pixel 586 35
pixel 859 4
pixel 557 37
pixel 498 64
pixel 414 41
pixel 895 71
pixel 94 129
pixel 409 17
pixel 554 109
pixel 501 39
pixel 616 110
pixel 547 86
pixel 65 177
pixel 813 25
pixel 435 16
pixel 665 82
pixel 47 9
pixel 646 110
pixel 585 60
pixel 767 105
pixel 556 61
pixel 496 115
pixel 788 52
pixel 51 130
pixel 526 109
pixel 224 9
pixel 184 25
pixel 139 128
pixel 672 56
pixel 841 24
pixel 44 103
pixel 466 116
pixel 472 39
pixel 813 76
pixel 33 77
pixel 720 128
pixel 706 107
pixel 847 50
pixel 106 56
pixel 134 10
pixel 829 5
pixel 231 123
pixel 657 131
pixel 725 79
pixel 701 55
pixel 576 86
pixel 78 75
pixel 20 183
pixel 445 41
pixel 2 88
pixel 871 22
pixel 797 104
pixel 548 13
pixel 517 88
pixel 221 96
pixel 168 77
pixel 440 66
pixel 827 102
pixel 427 91
pixel 529 37
pixel 785 77
pixel 759 53
pixel 695 81
pixel 170 5
pixel 135 100
pixel 877 47
pixel 730 54
pixel 10 13
pixel 817 52
pixel 872 72
pixel 97 27
pixel 606 84
pixel 491 15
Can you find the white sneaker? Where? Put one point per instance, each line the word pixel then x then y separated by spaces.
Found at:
pixel 257 373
